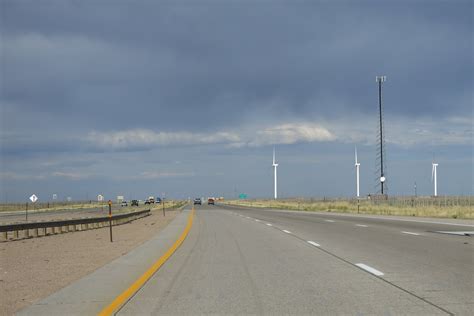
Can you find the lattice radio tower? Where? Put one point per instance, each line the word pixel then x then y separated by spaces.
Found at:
pixel 380 156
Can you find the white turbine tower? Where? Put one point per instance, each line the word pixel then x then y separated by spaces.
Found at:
pixel 357 165
pixel 434 177
pixel 275 165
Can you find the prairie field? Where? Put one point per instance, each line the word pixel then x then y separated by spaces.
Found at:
pixel 442 207
pixel 74 205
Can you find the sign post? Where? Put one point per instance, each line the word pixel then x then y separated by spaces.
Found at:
pixel 33 199
pixel 110 219
pixel 163 201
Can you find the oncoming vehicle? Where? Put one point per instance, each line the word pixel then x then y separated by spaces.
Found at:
pixel 124 203
pixel 158 200
pixel 197 201
pixel 134 203
pixel 210 201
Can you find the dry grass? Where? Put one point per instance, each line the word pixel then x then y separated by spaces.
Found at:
pixel 61 206
pixel 442 207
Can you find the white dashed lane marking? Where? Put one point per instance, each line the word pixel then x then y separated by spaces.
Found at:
pixel 362 225
pixel 286 231
pixel 369 269
pixel 268 224
pixel 313 243
pixel 329 221
pixel 410 233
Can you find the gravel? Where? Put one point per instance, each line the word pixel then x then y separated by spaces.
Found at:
pixel 32 269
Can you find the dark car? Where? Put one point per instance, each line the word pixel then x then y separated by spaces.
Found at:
pixel 197 201
pixel 158 200
pixel 134 203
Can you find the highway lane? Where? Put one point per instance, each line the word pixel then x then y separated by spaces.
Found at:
pixel 263 262
pixel 411 254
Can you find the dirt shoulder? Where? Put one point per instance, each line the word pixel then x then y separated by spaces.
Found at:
pixel 32 269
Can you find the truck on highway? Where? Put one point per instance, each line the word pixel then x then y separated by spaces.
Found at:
pixel 150 200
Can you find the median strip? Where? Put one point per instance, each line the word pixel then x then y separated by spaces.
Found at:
pixel 128 293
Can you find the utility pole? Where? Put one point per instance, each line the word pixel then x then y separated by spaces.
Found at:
pixel 381 79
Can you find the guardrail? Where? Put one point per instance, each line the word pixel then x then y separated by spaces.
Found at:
pixel 38 229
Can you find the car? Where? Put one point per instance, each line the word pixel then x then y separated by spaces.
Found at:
pixel 210 201
pixel 147 202
pixel 158 200
pixel 197 201
pixel 134 203
pixel 124 203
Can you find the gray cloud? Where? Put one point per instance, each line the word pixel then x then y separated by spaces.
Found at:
pixel 109 81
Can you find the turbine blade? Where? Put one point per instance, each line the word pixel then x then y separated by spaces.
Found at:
pixel 356 154
pixel 432 172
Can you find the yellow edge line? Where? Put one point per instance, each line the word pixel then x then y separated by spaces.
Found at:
pixel 122 298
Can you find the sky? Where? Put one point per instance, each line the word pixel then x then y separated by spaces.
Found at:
pixel 188 98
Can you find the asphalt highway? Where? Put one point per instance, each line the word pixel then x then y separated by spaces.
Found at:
pixel 247 261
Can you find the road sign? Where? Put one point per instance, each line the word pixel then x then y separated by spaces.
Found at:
pixel 100 197
pixel 242 196
pixel 33 198
pixel 120 198
pixel 55 196
pixel 69 199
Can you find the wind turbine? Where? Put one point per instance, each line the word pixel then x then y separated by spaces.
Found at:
pixel 434 177
pixel 275 165
pixel 357 165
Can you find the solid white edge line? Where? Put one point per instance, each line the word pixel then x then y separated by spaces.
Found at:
pixel 313 243
pixel 286 231
pixel 362 225
pixel 268 224
pixel 369 269
pixel 410 233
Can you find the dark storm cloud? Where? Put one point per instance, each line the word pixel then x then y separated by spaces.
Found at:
pixel 135 63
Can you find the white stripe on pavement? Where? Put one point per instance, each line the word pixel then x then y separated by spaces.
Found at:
pixel 313 243
pixel 329 220
pixel 369 269
pixel 362 225
pixel 268 224
pixel 410 233
pixel 287 231
pixel 257 220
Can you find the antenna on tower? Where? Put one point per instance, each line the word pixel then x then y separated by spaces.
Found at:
pixel 381 140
